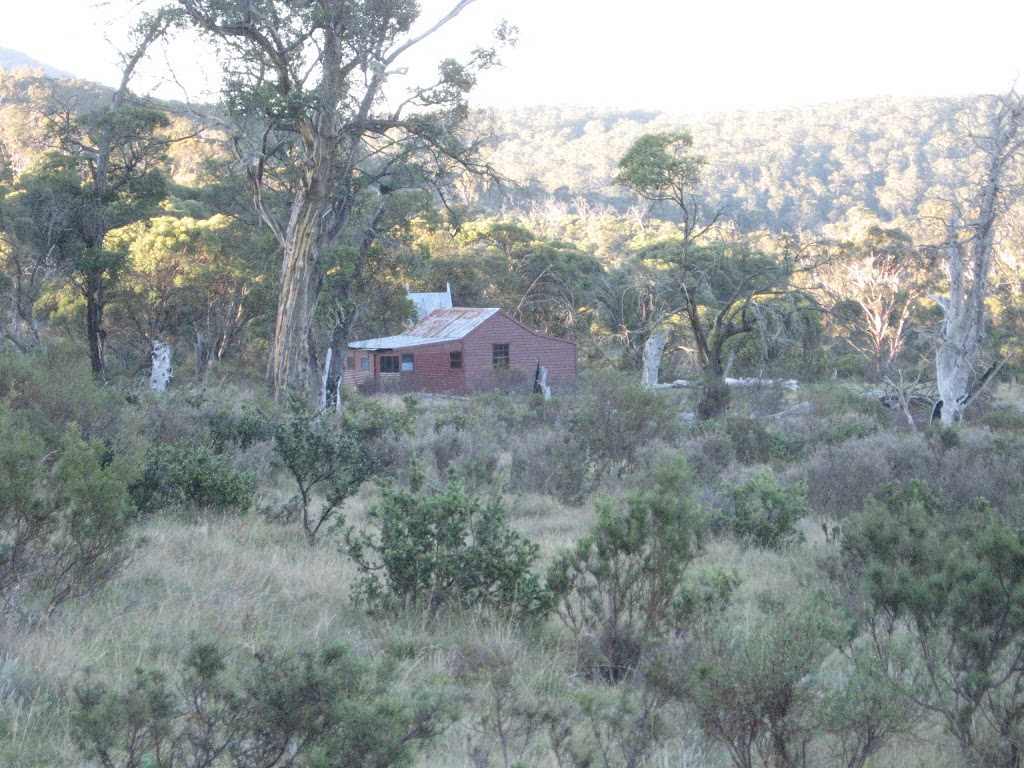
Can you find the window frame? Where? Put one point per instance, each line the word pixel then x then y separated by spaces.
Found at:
pixel 501 355
pixel 407 359
pixel 394 363
pixel 455 360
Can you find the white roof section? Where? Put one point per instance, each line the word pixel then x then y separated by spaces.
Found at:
pixel 440 325
pixel 427 302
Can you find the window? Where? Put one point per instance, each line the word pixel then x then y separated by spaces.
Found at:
pixel 456 359
pixel 389 363
pixel 364 363
pixel 351 363
pixel 407 362
pixel 499 355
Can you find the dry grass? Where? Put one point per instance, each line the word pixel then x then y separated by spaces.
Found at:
pixel 242 581
pixel 250 584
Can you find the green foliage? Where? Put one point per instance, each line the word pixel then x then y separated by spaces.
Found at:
pixel 762 512
pixel 50 403
pixel 190 281
pixel 954 581
pixel 322 709
pixel 620 580
pixel 66 515
pixel 755 443
pixel 445 548
pixel 752 686
pixel 242 428
pixel 866 700
pixel 192 476
pixel 660 166
pixel 333 454
pixel 612 418
pixel 625 726
pixel 705 594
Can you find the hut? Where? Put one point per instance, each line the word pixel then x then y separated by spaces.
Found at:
pixel 457 350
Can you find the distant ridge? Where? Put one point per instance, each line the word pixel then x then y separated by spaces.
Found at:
pixel 12 59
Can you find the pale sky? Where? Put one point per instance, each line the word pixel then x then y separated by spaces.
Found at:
pixel 645 54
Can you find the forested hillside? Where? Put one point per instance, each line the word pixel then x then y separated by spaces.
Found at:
pixel 783 171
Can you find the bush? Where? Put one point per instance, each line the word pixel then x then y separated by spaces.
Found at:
pixel 951 580
pixel 325 709
pixel 752 685
pixel 762 512
pixel 66 518
pixel 620 580
pixel 50 402
pixel 543 461
pixel 612 417
pixel 710 452
pixel 442 548
pixel 192 477
pixel 962 464
pixel 333 454
pixel 754 444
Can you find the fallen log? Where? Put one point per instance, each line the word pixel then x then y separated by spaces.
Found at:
pixel 791 384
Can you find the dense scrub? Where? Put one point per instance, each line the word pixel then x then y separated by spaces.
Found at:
pixel 502 585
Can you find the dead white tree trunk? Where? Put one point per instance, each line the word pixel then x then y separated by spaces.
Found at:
pixel 325 380
pixel 540 382
pixel 969 255
pixel 161 373
pixel 654 349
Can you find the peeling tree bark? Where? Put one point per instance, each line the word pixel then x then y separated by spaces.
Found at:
pixel 969 256
pixel 323 119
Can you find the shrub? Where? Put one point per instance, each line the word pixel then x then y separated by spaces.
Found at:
pixel 754 444
pixel 839 478
pixel 952 581
pixel 752 685
pixel 333 454
pixel 445 547
pixel 709 453
pixel 762 512
pixel 326 708
pixel 620 580
pixel 192 477
pixel 66 518
pixel 243 427
pixel 612 417
pixel 50 402
pixel 543 461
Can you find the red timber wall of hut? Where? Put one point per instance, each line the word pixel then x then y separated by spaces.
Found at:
pixel 353 374
pixel 525 348
pixel 432 368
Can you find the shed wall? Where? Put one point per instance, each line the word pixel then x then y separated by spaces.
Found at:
pixel 525 347
pixel 432 371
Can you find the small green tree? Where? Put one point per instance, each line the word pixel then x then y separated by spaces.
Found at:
pixel 763 513
pixel 612 418
pixel 752 685
pixel 445 547
pixel 334 453
pixel 954 584
pixel 620 580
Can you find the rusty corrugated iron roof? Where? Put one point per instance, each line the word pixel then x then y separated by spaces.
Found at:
pixel 440 325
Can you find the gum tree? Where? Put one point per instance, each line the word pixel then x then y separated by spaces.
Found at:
pixel 104 173
pixel 306 83
pixel 971 241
